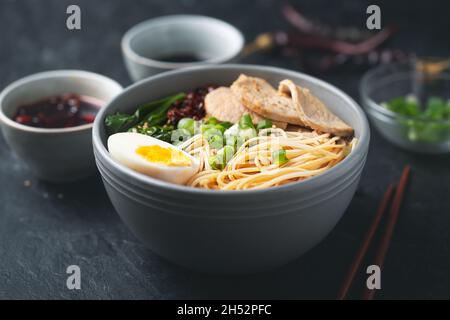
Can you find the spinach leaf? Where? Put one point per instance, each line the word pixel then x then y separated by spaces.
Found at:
pixel 119 122
pixel 159 132
pixel 144 109
pixel 159 114
pixel 153 112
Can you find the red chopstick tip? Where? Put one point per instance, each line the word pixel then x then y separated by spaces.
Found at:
pixel 407 169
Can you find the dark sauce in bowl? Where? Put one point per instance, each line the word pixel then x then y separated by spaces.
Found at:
pixel 180 58
pixel 61 111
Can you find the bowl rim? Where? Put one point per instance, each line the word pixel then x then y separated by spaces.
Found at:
pixel 372 106
pixel 43 76
pixel 149 62
pixel 103 154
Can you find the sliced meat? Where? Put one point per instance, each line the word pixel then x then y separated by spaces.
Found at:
pixel 259 96
pixel 313 112
pixel 296 128
pixel 222 104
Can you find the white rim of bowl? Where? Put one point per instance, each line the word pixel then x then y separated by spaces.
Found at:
pixel 132 55
pixel 41 76
pixel 362 144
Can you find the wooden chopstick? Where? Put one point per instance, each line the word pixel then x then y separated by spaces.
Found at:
pixel 392 219
pixel 368 237
pixel 365 244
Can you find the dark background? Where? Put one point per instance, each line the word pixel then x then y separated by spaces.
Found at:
pixel 44 227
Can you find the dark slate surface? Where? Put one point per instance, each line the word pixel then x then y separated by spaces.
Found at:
pixel 44 227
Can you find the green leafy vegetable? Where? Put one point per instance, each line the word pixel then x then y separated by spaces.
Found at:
pixel 428 124
pixel 158 115
pixel 154 113
pixel 159 132
pixel 404 106
pixel 119 122
pixel 436 109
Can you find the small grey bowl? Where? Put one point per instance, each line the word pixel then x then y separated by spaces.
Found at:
pixel 212 40
pixel 55 155
pixel 230 231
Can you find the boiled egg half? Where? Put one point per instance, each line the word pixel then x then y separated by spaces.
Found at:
pixel 152 157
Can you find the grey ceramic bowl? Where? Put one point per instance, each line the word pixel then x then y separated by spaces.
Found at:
pixel 53 154
pixel 146 45
pixel 230 231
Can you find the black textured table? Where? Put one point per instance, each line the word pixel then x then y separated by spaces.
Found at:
pixel 45 227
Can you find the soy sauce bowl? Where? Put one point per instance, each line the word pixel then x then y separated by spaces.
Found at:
pixel 59 154
pixel 179 41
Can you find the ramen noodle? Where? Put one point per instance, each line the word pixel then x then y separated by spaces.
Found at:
pixel 253 167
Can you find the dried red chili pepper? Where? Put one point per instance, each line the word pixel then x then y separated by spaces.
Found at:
pixel 305 41
pixel 309 26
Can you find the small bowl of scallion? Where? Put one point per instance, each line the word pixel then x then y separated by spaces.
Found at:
pixel 409 107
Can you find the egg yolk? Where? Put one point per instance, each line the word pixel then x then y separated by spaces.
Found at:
pixel 164 156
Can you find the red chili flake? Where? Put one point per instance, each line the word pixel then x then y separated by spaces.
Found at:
pixel 23 119
pixel 89 118
pixel 192 106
